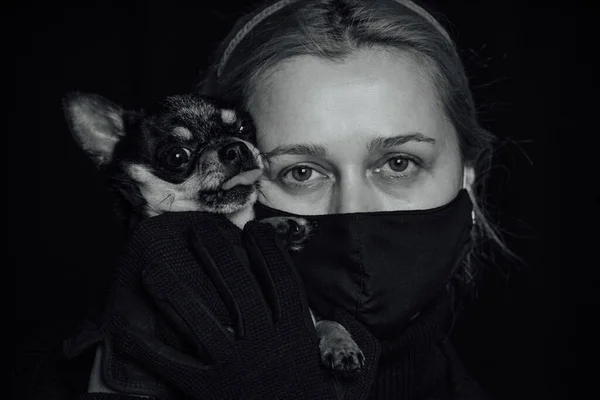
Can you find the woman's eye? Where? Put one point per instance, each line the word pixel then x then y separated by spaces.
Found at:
pixel 176 157
pixel 301 174
pixel 399 167
pixel 398 164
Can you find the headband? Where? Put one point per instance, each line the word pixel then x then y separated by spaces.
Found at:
pixel 273 8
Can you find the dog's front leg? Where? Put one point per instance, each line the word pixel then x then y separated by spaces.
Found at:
pixel 338 350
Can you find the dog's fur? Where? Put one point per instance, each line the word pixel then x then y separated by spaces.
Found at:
pixel 176 156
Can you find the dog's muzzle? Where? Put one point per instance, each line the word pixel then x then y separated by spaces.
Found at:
pixel 237 156
pixel 244 160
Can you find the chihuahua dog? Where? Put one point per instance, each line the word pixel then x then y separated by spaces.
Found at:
pixel 191 153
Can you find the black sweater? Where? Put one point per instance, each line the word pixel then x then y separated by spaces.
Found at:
pixel 420 364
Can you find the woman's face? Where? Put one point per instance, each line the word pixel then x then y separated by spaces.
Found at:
pixel 363 135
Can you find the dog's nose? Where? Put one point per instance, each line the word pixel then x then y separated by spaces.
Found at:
pixel 234 153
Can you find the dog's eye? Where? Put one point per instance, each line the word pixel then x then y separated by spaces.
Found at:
pixel 245 128
pixel 176 157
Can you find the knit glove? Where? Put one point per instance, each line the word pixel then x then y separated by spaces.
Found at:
pixel 234 324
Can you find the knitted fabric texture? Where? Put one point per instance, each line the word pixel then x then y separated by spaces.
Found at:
pixel 271 361
pixel 421 363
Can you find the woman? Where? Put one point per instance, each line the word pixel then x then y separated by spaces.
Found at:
pixel 360 106
pixel 364 115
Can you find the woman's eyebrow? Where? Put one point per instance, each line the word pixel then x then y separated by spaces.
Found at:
pixel 314 150
pixel 382 143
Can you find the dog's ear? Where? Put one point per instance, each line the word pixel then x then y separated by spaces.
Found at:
pixel 96 124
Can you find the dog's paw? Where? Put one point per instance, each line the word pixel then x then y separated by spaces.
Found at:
pixel 293 231
pixel 342 355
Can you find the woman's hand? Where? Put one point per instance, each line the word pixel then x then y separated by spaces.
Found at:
pixel 217 315
pixel 271 350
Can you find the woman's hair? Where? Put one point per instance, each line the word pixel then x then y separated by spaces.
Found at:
pixel 333 30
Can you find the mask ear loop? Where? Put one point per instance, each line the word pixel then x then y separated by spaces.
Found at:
pixel 464 186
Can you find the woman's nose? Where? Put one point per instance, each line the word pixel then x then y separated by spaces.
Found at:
pixel 354 195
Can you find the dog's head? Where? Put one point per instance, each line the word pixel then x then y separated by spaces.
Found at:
pixel 185 153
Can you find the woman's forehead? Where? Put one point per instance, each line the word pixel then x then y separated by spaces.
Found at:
pixel 371 93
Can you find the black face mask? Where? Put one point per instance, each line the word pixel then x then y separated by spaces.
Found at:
pixel 383 267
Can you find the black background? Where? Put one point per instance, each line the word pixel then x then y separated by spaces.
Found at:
pixel 530 71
